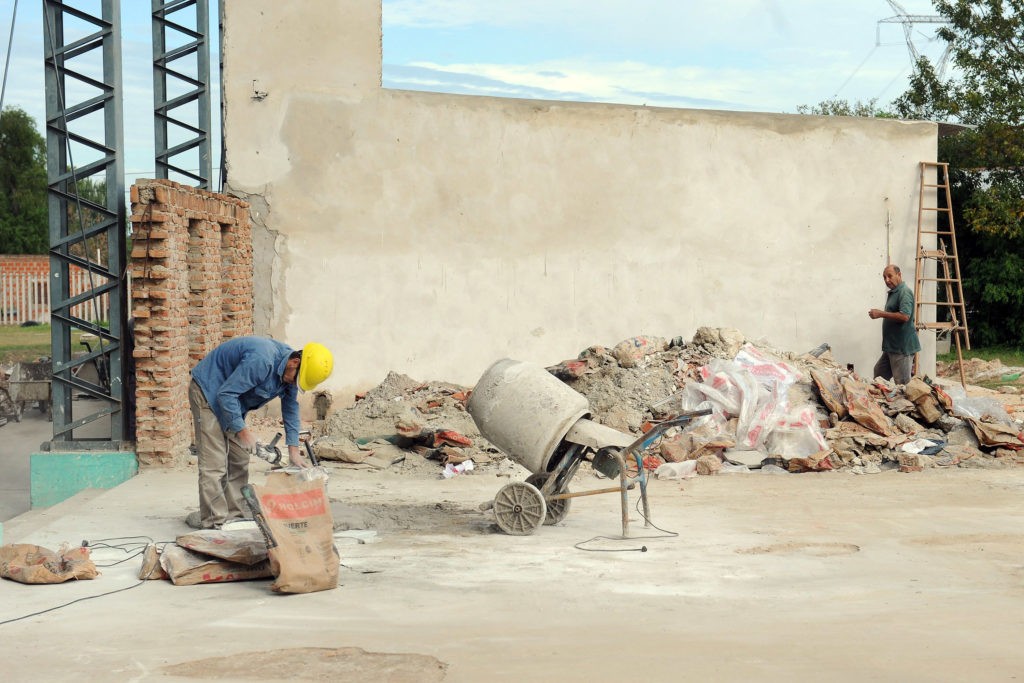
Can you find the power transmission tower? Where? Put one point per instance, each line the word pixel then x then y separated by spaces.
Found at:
pixel 908 20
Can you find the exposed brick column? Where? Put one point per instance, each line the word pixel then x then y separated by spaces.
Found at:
pixel 191 267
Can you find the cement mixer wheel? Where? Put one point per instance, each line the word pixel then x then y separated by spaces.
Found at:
pixel 557 509
pixel 519 508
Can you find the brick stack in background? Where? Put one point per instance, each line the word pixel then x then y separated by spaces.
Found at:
pixel 25 264
pixel 192 281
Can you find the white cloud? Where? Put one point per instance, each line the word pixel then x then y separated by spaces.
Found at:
pixel 770 55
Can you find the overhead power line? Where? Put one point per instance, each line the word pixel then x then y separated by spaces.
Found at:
pixel 908 21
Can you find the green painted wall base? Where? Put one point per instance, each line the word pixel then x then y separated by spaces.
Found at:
pixel 55 477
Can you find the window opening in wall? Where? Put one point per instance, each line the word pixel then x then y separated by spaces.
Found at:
pixel 227 264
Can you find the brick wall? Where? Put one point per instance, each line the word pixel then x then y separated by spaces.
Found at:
pixel 26 264
pixel 191 265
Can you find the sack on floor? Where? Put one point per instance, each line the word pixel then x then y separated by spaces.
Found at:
pixel 27 563
pixel 187 568
pixel 245 546
pixel 292 512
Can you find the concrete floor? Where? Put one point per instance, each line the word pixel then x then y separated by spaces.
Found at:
pixel 831 576
pixel 18 440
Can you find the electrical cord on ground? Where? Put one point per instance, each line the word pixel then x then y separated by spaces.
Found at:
pixel 67 604
pixel 133 549
pixel 642 549
pixel 102 543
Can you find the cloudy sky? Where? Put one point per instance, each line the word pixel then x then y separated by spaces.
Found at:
pixel 746 55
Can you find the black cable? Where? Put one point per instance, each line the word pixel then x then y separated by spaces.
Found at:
pixel 102 543
pixel 135 549
pixel 642 549
pixel 89 597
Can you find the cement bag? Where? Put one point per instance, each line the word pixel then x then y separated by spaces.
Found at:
pixel 864 409
pixel 151 569
pixel 26 563
pixel 831 391
pixel 292 512
pixel 797 435
pixel 631 351
pixel 245 546
pixel 187 568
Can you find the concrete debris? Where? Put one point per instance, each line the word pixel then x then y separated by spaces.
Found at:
pixel 794 412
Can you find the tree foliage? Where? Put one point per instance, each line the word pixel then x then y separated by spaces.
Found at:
pixel 836 107
pixel 985 93
pixel 23 203
pixel 986 159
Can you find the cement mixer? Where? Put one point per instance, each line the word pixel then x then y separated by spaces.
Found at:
pixel 543 425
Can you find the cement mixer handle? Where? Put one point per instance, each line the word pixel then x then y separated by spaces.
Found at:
pixel 647 439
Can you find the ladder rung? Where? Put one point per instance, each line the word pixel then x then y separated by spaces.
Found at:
pixel 930 185
pixel 938 279
pixel 939 326
pixel 933 253
pixel 948 304
pixel 936 208
pixel 936 232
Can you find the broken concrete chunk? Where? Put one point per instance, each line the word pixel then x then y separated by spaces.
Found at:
pixel 907 424
pixel 915 460
pixel 339 448
pixel 708 464
pixel 744 456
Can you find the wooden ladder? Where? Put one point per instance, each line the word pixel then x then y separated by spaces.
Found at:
pixel 947 270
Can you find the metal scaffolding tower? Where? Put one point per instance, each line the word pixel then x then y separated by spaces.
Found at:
pixel 85 169
pixel 181 78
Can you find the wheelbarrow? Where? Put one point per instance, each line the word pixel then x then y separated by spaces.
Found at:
pixel 543 425
pixel 30 386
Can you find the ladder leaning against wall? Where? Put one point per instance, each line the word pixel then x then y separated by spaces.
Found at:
pixel 936 242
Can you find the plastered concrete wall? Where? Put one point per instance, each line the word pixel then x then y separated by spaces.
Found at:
pixel 433 234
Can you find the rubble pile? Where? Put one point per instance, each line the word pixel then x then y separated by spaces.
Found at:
pixel 403 420
pixel 977 370
pixel 772 410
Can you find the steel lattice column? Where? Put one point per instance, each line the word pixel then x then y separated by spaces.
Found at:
pixel 181 86
pixel 85 168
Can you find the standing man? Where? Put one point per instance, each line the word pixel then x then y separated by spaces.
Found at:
pixel 238 376
pixel 899 338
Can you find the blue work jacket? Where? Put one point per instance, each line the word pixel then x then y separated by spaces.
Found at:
pixel 244 374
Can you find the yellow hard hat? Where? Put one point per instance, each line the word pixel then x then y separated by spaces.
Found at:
pixel 316 366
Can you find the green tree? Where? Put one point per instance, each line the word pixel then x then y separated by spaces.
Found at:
pixel 835 107
pixel 23 204
pixel 986 95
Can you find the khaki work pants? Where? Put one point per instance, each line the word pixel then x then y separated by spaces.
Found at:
pixel 895 366
pixel 223 465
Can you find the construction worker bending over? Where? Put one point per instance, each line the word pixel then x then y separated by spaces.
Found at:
pixel 899 337
pixel 239 376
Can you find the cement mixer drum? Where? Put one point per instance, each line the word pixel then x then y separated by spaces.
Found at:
pixel 525 411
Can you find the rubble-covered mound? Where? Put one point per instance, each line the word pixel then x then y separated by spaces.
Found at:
pixel 770 409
